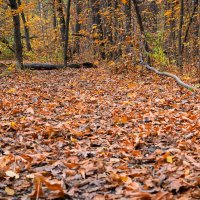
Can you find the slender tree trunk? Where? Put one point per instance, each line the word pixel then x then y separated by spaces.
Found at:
pixel 140 23
pixel 128 17
pixel 180 57
pixel 41 13
pixel 26 30
pixel 78 25
pixel 128 23
pixel 189 24
pixel 97 26
pixel 54 14
pixel 67 33
pixel 172 37
pixel 17 33
pixel 61 19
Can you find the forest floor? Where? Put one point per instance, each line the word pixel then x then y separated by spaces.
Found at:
pixel 90 134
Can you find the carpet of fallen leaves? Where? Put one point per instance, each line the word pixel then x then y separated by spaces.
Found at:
pixel 89 134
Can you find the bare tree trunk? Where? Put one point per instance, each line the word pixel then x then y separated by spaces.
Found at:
pixel 67 33
pixel 97 26
pixel 26 29
pixel 140 23
pixel 180 57
pixel 54 14
pixel 128 23
pixel 61 19
pixel 17 34
pixel 78 25
pixel 172 37
pixel 128 17
pixel 189 24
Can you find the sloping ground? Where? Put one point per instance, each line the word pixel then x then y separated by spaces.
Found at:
pixel 88 134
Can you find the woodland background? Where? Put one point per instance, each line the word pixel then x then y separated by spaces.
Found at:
pixel 167 31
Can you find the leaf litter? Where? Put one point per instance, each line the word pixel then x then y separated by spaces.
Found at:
pixel 89 134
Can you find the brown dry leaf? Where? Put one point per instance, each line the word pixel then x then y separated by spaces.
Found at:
pixel 99 197
pixel 137 172
pixel 82 172
pixel 131 95
pixel 5 161
pixel 69 172
pixel 120 178
pixel 37 191
pixel 30 110
pixel 53 185
pixel 72 165
pixel 40 180
pixel 175 185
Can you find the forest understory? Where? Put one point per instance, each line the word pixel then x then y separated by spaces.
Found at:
pixel 91 134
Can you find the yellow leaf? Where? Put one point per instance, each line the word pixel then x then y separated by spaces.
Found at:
pixel 121 120
pixel 9 191
pixel 132 85
pixel 112 63
pixel 13 125
pixel 170 159
pixel 131 95
pixel 124 1
pixel 168 13
pixel 73 139
pixel 12 90
pixel 187 172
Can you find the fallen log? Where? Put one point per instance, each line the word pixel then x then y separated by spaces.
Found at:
pixel 41 66
pixel 88 65
pixel 46 66
pixel 177 79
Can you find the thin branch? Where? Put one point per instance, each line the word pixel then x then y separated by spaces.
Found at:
pixel 177 79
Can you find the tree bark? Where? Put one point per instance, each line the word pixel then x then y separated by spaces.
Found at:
pixel 180 57
pixel 61 19
pixel 54 14
pixel 97 26
pixel 140 23
pixel 67 33
pixel 17 33
pixel 26 30
pixel 128 23
pixel 189 24
pixel 128 17
pixel 78 25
